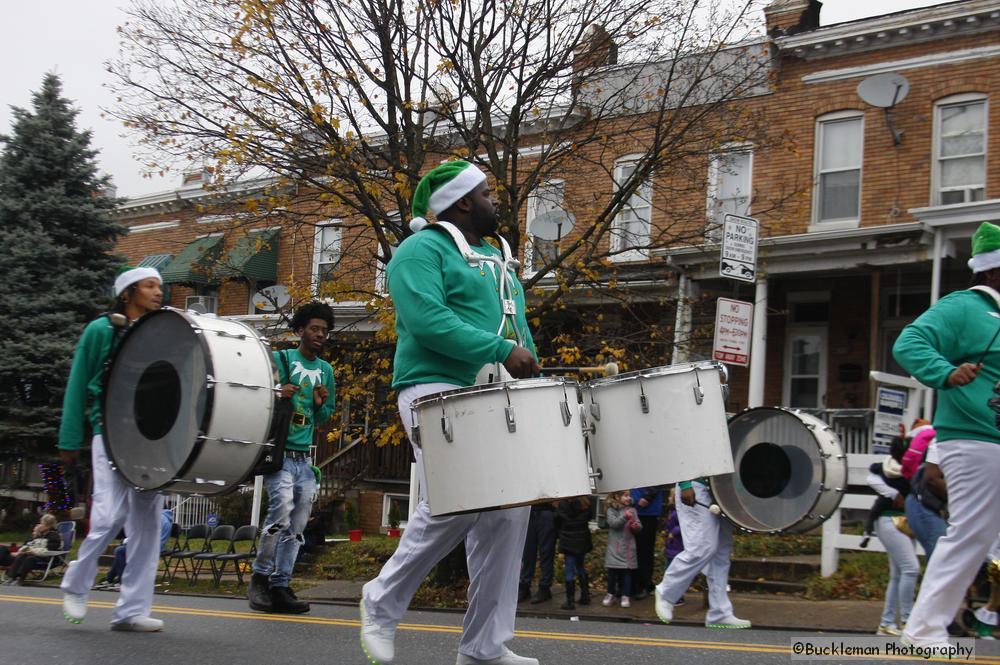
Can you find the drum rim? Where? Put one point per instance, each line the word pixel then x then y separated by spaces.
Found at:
pixel 662 370
pixel 209 397
pixel 823 489
pixel 517 384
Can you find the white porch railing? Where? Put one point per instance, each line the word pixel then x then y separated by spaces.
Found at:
pixel 853 427
pixel 192 510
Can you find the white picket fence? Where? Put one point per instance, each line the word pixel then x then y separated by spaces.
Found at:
pixel 192 510
pixel 833 539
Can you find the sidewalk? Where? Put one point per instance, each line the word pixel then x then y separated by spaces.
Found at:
pixel 764 610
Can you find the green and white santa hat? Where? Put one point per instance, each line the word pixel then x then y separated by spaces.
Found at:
pixel 128 276
pixel 440 188
pixel 985 248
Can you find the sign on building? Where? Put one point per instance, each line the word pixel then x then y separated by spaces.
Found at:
pixel 890 406
pixel 738 259
pixel 733 323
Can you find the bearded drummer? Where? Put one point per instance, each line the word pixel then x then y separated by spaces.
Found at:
pixel 115 504
pixel 448 314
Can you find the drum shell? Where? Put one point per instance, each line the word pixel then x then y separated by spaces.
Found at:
pixel 225 399
pixel 678 439
pixel 485 465
pixel 818 472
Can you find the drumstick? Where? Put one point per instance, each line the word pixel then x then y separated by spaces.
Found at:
pixel 987 349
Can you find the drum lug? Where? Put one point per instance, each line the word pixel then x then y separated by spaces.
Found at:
pixel 595 410
pixel 699 394
pixel 644 403
pixel 567 415
pixel 598 474
pixel 511 419
pixel 446 429
pixel 415 435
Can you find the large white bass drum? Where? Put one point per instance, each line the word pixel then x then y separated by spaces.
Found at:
pixel 188 401
pixel 657 426
pixel 791 472
pixel 501 444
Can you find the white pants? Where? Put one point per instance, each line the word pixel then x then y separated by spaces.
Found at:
pixel 971 469
pixel 708 544
pixel 116 504
pixel 494 541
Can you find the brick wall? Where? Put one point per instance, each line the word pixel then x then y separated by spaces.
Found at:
pixel 370 511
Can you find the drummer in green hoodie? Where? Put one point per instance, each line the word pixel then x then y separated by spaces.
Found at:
pixel 115 503
pixel 459 306
pixel 954 348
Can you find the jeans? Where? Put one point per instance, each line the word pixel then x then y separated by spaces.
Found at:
pixel 118 567
pixel 903 571
pixel 927 525
pixel 645 548
pixel 574 567
pixel 290 493
pixel 540 545
pixel 620 581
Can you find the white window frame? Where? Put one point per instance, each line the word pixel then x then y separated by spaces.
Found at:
pixel 318 249
pixel 829 118
pixel 803 329
pixel 957 100
pixel 387 503
pixel 643 191
pixel 713 204
pixel 529 268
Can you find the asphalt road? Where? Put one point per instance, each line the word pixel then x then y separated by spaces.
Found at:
pixel 225 632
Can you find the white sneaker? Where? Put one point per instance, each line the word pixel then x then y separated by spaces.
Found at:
pixel 376 642
pixel 730 622
pixel 608 599
pixel 930 647
pixel 626 602
pixel 664 609
pixel 508 658
pixel 138 624
pixel 74 607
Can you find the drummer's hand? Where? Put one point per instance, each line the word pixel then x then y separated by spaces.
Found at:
pixel 320 393
pixel 522 364
pixel 964 374
pixel 687 496
pixel 69 457
pixel 288 390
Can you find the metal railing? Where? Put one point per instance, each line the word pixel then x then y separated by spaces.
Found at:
pixel 852 426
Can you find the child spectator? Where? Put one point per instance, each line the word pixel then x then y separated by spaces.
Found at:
pixel 621 557
pixel 573 518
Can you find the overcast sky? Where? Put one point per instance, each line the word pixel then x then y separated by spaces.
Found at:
pixel 73 38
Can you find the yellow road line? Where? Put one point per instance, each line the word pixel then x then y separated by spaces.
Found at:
pixel 629 640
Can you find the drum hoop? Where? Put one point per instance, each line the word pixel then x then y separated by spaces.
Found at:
pixel 809 514
pixel 209 397
pixel 652 372
pixel 518 384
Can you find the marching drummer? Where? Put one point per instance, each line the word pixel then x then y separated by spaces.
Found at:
pixel 115 504
pixel 308 381
pixel 450 317
pixel 708 543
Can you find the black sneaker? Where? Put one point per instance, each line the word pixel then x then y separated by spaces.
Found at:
pixel 543 594
pixel 283 601
pixel 523 593
pixel 259 593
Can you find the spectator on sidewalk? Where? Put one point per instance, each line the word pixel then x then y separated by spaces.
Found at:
pixel 648 502
pixel 674 540
pixel 44 538
pixel 540 547
pixel 112 581
pixel 620 557
pixel 708 544
pixel 573 518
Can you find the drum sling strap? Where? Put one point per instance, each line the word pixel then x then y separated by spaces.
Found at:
pixel 273 457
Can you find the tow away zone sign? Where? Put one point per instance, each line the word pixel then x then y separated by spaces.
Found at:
pixel 733 323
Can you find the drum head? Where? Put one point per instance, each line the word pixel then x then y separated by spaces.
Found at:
pixel 779 470
pixel 156 399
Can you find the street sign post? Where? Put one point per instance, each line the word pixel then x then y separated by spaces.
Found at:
pixel 733 323
pixel 738 258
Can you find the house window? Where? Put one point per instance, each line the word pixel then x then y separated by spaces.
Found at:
pixel 960 150
pixel 729 182
pixel 630 229
pixel 402 502
pixel 327 253
pixel 839 141
pixel 538 252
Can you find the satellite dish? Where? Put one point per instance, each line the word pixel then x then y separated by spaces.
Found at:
pixel 552 225
pixel 884 90
pixel 270 300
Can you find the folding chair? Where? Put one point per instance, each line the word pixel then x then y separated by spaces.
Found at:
pixel 237 555
pixel 51 561
pixel 185 553
pixel 219 533
pixel 172 546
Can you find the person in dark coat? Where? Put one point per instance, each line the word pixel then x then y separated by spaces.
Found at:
pixel 573 519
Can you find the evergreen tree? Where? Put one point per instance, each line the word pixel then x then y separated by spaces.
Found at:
pixel 56 266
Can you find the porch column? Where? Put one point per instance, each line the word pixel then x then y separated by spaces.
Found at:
pixel 758 345
pixel 935 294
pixel 682 322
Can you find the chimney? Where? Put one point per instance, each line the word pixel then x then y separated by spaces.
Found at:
pixel 597 49
pixel 788 17
pixel 195 178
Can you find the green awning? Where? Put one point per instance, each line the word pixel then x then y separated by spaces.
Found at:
pixel 157 261
pixel 194 265
pixel 253 257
